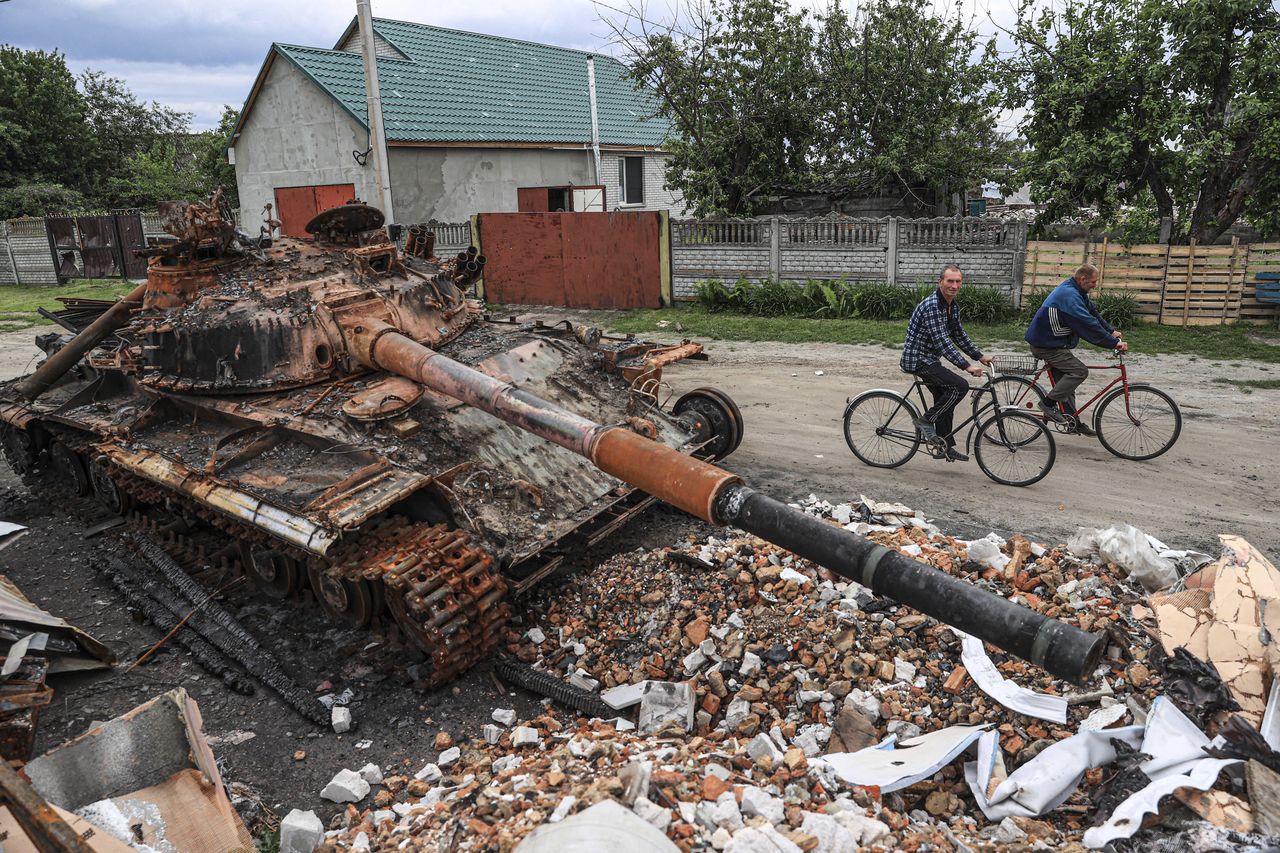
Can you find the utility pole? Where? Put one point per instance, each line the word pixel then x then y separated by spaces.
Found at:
pixel 377 133
pixel 595 121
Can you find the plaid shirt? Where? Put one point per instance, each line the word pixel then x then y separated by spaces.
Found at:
pixel 935 331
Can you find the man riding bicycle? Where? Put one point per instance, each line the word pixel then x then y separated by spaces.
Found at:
pixel 1066 316
pixel 934 331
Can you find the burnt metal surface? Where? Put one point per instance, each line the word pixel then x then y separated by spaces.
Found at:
pixel 22 696
pixel 235 389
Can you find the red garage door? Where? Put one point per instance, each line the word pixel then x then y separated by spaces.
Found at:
pixel 295 206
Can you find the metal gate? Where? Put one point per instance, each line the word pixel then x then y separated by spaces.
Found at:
pixel 576 260
pixel 96 246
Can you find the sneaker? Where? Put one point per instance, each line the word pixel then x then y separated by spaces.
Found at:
pixel 927 430
pixel 954 455
pixel 1050 410
pixel 1084 429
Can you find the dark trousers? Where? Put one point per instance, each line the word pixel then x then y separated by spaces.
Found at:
pixel 1067 373
pixel 948 389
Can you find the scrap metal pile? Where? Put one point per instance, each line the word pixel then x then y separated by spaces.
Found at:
pixel 763 704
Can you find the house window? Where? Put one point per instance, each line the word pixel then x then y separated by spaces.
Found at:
pixel 631 177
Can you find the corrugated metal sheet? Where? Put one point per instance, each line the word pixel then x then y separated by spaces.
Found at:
pixel 468 87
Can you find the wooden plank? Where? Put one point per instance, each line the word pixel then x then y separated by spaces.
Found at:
pixel 1164 286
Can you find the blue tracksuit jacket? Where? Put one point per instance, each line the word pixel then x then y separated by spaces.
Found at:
pixel 1066 316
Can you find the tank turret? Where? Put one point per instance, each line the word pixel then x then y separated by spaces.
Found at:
pixel 346 412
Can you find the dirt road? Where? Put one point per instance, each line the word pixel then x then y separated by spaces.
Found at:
pixel 1221 476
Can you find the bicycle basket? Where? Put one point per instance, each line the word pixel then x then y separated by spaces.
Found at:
pixel 1017 365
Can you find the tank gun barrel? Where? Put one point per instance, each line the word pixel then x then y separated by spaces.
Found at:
pixel 56 365
pixel 720 497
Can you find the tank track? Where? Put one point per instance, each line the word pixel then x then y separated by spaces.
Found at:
pixel 441 590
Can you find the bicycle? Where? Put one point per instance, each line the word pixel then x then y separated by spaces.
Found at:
pixel 1010 446
pixel 1134 421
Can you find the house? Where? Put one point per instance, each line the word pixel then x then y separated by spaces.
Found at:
pixel 474 123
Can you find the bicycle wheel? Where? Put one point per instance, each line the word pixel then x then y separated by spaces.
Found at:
pixel 1014 449
pixel 879 427
pixel 1015 391
pixel 1143 429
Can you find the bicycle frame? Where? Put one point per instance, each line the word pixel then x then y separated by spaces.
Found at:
pixel 976 390
pixel 1122 379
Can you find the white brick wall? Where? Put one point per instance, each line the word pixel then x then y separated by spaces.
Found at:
pixel 656 194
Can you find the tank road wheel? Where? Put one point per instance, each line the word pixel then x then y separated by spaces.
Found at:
pixel 274 572
pixel 20 449
pixel 108 492
pixel 714 420
pixel 70 468
pixel 351 601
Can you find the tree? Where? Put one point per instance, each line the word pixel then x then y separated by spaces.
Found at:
pixel 736 80
pixel 123 129
pixel 909 102
pixel 210 156
pixel 43 131
pixel 896 98
pixel 1176 98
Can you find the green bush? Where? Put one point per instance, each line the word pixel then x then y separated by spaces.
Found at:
pixel 39 200
pixel 841 299
pixel 711 294
pixel 775 299
pixel 879 300
pixel 988 305
pixel 1118 309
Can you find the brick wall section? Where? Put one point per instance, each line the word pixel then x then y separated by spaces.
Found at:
pixel 657 196
pixel 832 263
pixel 981 265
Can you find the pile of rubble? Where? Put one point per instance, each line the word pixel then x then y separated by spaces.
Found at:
pixel 763 704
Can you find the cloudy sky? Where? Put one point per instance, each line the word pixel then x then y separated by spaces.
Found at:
pixel 196 55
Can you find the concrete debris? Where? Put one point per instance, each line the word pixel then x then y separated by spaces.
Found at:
pixel 767 705
pixel 525 736
pixel 300 832
pixel 624 695
pixel 346 787
pixel 430 773
pixel 604 826
pixel 341 719
pixel 449 756
pixel 371 773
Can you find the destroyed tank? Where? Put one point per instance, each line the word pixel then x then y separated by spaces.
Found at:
pixel 356 425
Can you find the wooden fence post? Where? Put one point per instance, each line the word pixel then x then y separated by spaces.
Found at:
pixel 1186 293
pixel 1231 282
pixel 1164 287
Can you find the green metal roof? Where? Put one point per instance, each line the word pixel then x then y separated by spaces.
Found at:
pixel 467 87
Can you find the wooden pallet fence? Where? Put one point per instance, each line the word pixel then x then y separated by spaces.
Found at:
pixel 1263 257
pixel 1174 285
